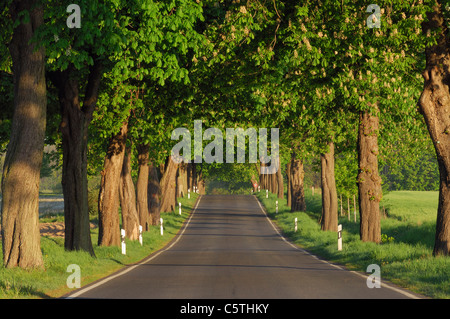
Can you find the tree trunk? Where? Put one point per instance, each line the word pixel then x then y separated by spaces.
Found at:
pixel 262 180
pixel 329 219
pixel 194 176
pixel 75 120
pixel 108 199
pixel 189 176
pixel 273 182
pixel 154 193
pixel 168 186
pixel 182 180
pixel 201 182
pixel 21 173
pixel 369 182
pixel 297 192
pixel 434 104
pixel 127 195
pixel 289 186
pixel 142 185
pixel 280 180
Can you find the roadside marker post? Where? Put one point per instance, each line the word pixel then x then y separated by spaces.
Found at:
pixel 276 207
pixel 161 222
pixel 179 208
pixel 140 234
pixel 340 237
pixel 267 193
pixel 124 246
pixel 189 193
pixel 295 224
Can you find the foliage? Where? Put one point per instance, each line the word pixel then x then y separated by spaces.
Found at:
pixel 236 178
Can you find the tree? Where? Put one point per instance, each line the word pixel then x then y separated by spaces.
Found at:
pixel 329 218
pixel 435 106
pixel 108 201
pixel 21 173
pixel 77 59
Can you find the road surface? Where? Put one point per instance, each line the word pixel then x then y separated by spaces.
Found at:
pixel 230 249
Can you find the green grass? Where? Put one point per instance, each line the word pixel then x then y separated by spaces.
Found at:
pixel 406 260
pixel 51 282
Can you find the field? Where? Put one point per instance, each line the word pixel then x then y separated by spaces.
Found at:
pixel 405 255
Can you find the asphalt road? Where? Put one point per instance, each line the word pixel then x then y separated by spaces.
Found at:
pixel 230 249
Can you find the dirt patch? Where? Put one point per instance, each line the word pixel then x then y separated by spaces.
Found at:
pixel 55 229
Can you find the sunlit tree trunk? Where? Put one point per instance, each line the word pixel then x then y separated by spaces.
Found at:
pixel 21 172
pixel 434 104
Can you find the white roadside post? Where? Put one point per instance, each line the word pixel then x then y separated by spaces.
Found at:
pixel 189 193
pixel 140 234
pixel 259 188
pixel 179 208
pixel 124 247
pixel 267 193
pixel 340 237
pixel 295 224
pixel 276 207
pixel 161 222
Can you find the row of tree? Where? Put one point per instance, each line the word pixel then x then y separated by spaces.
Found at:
pixel 135 70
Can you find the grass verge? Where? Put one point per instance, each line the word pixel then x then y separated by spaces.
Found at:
pixel 405 256
pixel 18 283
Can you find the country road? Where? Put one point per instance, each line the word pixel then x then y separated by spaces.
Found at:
pixel 230 249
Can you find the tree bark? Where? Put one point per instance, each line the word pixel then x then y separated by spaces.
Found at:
pixel 182 180
pixel 369 182
pixel 289 184
pixel 108 199
pixel 21 173
pixel 329 220
pixel 280 185
pixel 262 180
pixel 154 193
pixel 168 186
pixel 142 186
pixel 75 120
pixel 273 182
pixel 297 192
pixel 201 184
pixel 127 195
pixel 434 104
